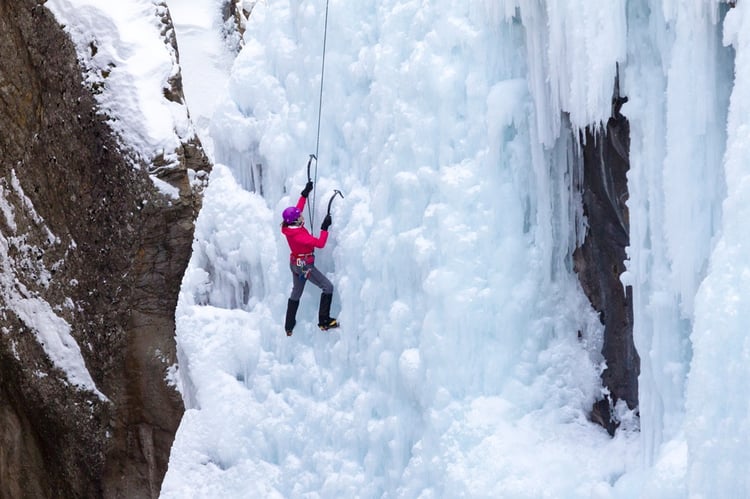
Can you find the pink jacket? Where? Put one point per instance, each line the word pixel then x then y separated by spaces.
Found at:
pixel 301 242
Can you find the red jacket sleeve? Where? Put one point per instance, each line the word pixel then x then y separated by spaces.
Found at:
pixel 301 203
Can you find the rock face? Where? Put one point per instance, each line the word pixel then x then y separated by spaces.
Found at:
pixel 599 262
pixel 235 16
pixel 88 238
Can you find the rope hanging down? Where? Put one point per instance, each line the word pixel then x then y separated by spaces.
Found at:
pixel 311 209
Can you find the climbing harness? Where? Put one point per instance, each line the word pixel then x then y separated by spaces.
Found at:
pixel 304 263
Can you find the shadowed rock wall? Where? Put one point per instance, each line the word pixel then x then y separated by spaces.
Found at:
pixel 86 233
pixel 599 261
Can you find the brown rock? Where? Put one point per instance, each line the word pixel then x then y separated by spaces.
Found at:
pixel 91 236
pixel 600 260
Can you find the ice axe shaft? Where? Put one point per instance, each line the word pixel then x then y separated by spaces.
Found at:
pixel 309 162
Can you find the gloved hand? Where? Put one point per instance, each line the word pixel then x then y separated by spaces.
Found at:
pixel 326 223
pixel 306 191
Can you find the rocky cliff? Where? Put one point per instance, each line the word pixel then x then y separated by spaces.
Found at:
pixel 91 260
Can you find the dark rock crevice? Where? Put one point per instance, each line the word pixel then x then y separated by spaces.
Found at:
pixel 600 260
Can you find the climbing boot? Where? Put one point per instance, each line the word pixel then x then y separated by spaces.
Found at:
pixel 291 314
pixel 325 321
pixel 330 323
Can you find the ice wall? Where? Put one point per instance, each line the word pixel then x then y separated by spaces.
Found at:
pixel 468 358
pixel 572 48
pixel 571 51
pixel 718 415
pixel 464 329
pixel 677 78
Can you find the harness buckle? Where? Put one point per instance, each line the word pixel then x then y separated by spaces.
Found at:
pixel 304 268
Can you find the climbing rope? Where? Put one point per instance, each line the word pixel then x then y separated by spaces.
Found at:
pixel 311 209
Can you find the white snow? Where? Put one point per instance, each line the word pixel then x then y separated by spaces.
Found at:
pixel 51 331
pixel 205 60
pixel 129 64
pixel 459 371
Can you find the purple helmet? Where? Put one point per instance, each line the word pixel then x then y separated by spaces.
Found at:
pixel 291 214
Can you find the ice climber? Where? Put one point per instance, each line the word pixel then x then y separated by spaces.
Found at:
pixel 302 263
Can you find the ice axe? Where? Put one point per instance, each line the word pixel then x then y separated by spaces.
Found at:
pixel 330 202
pixel 309 162
pixel 309 179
